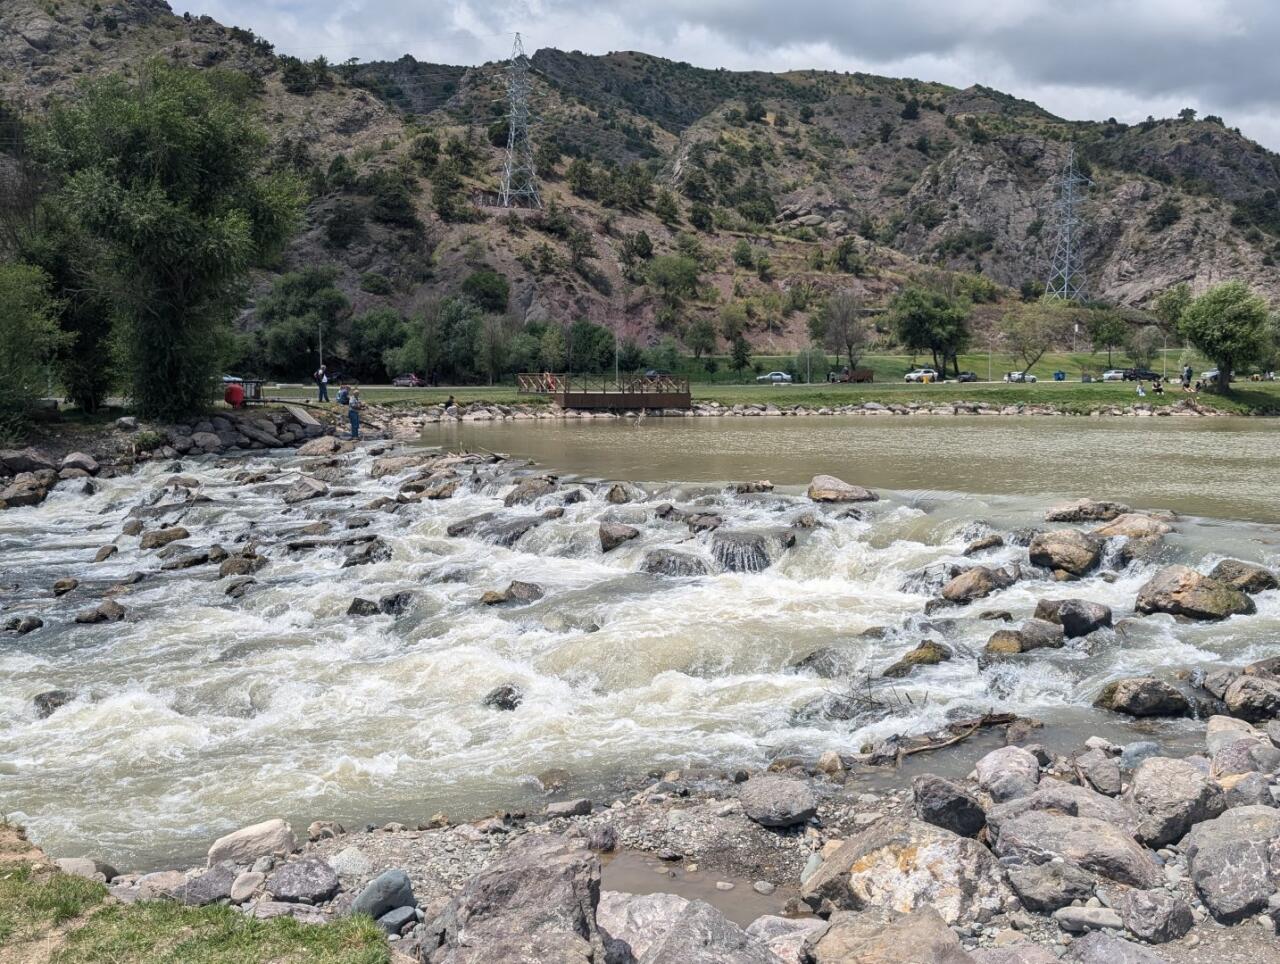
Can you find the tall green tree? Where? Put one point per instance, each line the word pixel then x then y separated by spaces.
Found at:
pixel 1229 324
pixel 1107 329
pixel 302 312
pixel 839 326
pixel 925 319
pixel 701 336
pixel 740 354
pixel 166 175
pixel 29 336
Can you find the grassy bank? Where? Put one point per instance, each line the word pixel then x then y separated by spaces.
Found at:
pixel 47 917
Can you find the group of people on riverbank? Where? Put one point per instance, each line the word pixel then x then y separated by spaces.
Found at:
pixel 350 397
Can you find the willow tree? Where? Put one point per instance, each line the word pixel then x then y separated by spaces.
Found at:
pixel 1230 325
pixel 164 176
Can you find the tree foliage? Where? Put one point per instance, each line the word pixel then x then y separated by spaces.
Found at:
pixel 1032 329
pixel 925 319
pixel 1229 324
pixel 840 327
pixel 1107 330
pixel 29 336
pixel 488 289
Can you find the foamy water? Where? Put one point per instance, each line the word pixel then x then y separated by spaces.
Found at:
pixel 200 713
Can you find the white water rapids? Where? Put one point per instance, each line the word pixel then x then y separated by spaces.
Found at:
pixel 200 713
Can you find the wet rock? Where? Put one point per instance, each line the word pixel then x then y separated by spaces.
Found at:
pixel 976 583
pixel 1101 947
pixel 620 494
pixel 237 587
pixel 1098 770
pixel 304 490
pixel 1077 920
pixel 387 891
pixel 396 603
pixel 603 839
pixel 326 445
pixel 982 545
pixel 775 801
pixel 670 562
pixel 1085 510
pixel 948 805
pixel 240 565
pixel 827 488
pixel 1244 576
pixel 18 461
pixel 516 592
pixel 1171 796
pixel 50 701
pixel 1143 696
pixel 1046 887
pixel 1230 860
pixel 24 490
pixel 885 937
pixel 825 663
pixel 1134 525
pixel 738 551
pixel 309 881
pixel 1154 916
pixel 133 527
pixel 1181 591
pixel 1077 617
pixel 210 887
pixel 269 838
pixel 904 864
pixel 1253 698
pixel 1031 635
pixel 928 653
pixel 506 697
pixel 700 934
pixel 1066 550
pixel 107 611
pixel 614 534
pixel 1008 772
pixel 188 561
pixel 21 625
pixel 703 521
pixel 374 551
pixel 530 490
pixel 105 553
pixel 158 538
pixel 570 808
pixel 63 586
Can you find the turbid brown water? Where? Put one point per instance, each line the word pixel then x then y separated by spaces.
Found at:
pixel 201 713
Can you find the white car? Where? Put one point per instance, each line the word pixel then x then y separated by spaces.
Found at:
pixel 777 378
pixel 1211 376
pixel 1020 377
pixel 1113 375
pixel 921 375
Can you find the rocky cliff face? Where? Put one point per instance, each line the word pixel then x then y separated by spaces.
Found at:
pixel 915 174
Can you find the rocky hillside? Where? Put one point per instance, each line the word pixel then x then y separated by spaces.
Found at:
pixel 842 180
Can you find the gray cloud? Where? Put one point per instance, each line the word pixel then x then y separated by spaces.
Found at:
pixel 1079 58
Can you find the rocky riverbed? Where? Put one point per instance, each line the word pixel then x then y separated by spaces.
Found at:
pixel 275 602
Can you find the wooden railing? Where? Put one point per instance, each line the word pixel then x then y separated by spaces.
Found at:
pixel 557 383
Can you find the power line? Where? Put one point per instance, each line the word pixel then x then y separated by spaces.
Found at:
pixel 1066 277
pixel 519 179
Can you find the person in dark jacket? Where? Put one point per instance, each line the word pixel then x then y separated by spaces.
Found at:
pixel 353 413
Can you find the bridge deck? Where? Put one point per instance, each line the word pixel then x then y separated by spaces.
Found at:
pixel 596 392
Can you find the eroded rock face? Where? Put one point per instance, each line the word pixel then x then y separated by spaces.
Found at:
pixel 1171 797
pixel 638 920
pixel 1181 591
pixel 1066 550
pixel 741 551
pixel 1244 576
pixel 827 488
pixel 1143 696
pixel 1231 861
pixel 309 880
pixel 777 801
pixel 1049 886
pixel 902 864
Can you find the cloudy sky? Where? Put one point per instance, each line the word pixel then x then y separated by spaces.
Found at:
pixel 1079 58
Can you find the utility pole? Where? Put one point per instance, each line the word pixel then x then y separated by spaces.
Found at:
pixel 519 179
pixel 1066 270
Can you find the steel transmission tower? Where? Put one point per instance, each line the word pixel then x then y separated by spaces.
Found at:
pixel 519 180
pixel 1066 278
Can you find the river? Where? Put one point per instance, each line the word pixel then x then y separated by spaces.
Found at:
pixel 200 713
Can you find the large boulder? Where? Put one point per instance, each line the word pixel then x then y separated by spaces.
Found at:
pixel 1253 698
pixel 1154 916
pixel 305 489
pixel 1066 550
pixel 1085 510
pixel 614 534
pixel 918 937
pixel 827 488
pixel 903 864
pixel 1143 696
pixel 976 583
pixel 1008 772
pixel 742 550
pixel 1099 771
pixel 948 805
pixel 787 936
pixel 1221 731
pixel 927 653
pixel 1101 848
pixel 777 801
pixel 702 935
pixel 672 562
pixel 1049 886
pixel 1134 525
pixel 1232 861
pixel 1171 796
pixel 1100 947
pixel 1244 576
pixel 1031 635
pixel 308 881
pixel 1181 591
pixel 1077 617
pixel 638 920
pixel 386 892
pixel 271 838
pixel 530 490
pixel 542 887
pixel 326 445
pixel 158 538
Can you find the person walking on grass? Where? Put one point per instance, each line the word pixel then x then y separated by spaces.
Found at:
pixel 353 413
pixel 322 383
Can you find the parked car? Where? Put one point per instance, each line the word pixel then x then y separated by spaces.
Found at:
pixel 921 375
pixel 777 378
pixel 967 377
pixel 856 375
pixel 1140 375
pixel 408 380
pixel 1113 375
pixel 1211 376
pixel 231 379
pixel 1020 377
pixel 653 374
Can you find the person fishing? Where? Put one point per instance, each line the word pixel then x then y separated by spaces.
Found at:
pixel 344 395
pixel 322 383
pixel 353 413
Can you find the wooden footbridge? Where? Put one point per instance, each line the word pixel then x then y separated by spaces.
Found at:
pixel 630 392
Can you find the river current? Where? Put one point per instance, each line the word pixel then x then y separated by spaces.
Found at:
pixel 200 713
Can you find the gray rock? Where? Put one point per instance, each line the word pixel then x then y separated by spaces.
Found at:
pixel 1247 755
pixel 1247 790
pixel 309 881
pixel 948 805
pixel 1077 617
pixel 570 808
pixel 1244 576
pixel 1085 510
pixel 1143 696
pixel 786 936
pixel 1099 770
pixel 976 583
pixel 305 489
pixel 269 838
pixel 246 885
pixel 827 488
pixel 1253 698
pixel 50 701
pixel 351 862
pixel 1154 916
pixel 775 801
pixel 1171 796
pixel 362 607
pixel 1101 947
pixel 1101 848
pixel 638 920
pixel 87 868
pixel 884 937
pixel 1048 886
pixel 1134 753
pixel 1066 550
pixel 670 562
pixel 21 625
pixel 530 490
pixel 210 887
pixel 387 891
pixel 741 551
pixel 1007 773
pixel 614 534
pixel 825 663
pixel 396 603
pixel 1078 920
pixel 506 697
pixel 1181 591
pixel 394 921
pixel 516 592
pixel 702 935
pixel 1230 860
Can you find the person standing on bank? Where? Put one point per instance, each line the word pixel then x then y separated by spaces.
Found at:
pixel 353 413
pixel 322 383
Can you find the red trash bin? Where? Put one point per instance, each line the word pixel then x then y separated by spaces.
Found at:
pixel 234 395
